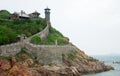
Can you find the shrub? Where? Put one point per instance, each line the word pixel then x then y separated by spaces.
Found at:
pixel 22 55
pixel 4 14
pixel 7 35
pixel 71 55
pixel 36 39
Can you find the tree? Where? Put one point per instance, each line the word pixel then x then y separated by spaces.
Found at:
pixel 7 35
pixel 4 14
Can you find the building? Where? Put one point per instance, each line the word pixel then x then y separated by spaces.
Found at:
pixel 14 15
pixel 34 14
pixel 23 15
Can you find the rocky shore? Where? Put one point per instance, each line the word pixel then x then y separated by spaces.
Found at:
pixel 74 65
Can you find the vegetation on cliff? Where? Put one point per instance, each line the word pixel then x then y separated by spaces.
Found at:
pixel 11 29
pixel 15 27
pixel 7 35
pixel 54 38
pixel 4 14
pixel 36 39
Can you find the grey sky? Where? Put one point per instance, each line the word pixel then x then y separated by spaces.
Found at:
pixel 92 25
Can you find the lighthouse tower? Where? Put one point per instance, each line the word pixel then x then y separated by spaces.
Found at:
pixel 47 14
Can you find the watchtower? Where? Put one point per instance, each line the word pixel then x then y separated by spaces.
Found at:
pixel 47 14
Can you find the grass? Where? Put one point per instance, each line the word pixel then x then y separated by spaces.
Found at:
pixel 71 55
pixel 54 36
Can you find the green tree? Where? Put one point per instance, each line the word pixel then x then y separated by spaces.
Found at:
pixel 4 14
pixel 7 35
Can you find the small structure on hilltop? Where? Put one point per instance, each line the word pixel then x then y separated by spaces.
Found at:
pixel 47 14
pixel 14 15
pixel 34 14
pixel 23 15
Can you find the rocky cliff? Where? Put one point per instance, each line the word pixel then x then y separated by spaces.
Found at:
pixel 74 64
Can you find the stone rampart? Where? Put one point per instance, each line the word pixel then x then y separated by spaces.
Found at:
pixel 45 54
pixel 48 54
pixel 10 49
pixel 43 34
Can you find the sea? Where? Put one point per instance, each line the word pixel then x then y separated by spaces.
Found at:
pixel 108 60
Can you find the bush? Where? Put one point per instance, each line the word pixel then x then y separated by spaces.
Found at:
pixel 36 39
pixel 71 55
pixel 22 55
pixel 7 35
pixel 4 14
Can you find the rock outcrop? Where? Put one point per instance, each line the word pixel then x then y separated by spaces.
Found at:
pixel 75 64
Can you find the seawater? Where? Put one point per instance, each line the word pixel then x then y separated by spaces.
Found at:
pixel 108 59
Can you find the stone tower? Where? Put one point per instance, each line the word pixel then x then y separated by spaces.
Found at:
pixel 47 14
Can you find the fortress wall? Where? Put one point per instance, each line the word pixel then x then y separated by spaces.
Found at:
pixel 45 54
pixel 10 49
pixel 48 54
pixel 43 34
pixel 53 54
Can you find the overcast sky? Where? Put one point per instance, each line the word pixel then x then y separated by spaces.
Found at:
pixel 91 25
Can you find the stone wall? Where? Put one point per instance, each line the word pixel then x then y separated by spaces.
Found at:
pixel 43 34
pixel 45 54
pixel 10 49
pixel 48 54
